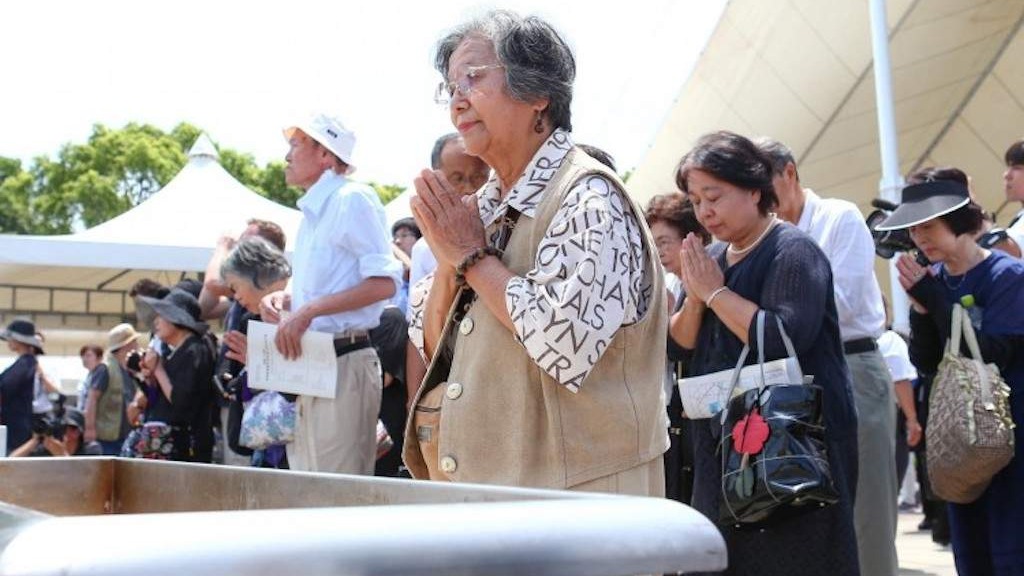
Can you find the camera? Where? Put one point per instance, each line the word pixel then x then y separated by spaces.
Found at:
pixel 47 425
pixel 890 242
pixel 134 360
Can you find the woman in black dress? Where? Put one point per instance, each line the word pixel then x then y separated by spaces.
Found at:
pixel 764 264
pixel 180 377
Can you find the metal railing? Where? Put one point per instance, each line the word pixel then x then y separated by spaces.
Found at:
pixel 373 526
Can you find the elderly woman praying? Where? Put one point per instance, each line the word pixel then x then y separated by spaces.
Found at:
pixel 545 325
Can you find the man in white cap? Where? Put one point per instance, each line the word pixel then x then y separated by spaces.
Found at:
pixel 343 273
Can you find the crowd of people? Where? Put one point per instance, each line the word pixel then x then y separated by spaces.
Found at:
pixel 533 325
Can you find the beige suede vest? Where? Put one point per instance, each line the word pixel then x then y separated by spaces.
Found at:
pixel 505 421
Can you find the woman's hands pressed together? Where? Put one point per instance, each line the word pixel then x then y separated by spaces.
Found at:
pixel 701 274
pixel 451 222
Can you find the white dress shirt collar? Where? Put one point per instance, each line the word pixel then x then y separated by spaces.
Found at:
pixel 312 202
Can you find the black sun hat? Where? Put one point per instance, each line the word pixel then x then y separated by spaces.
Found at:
pixel 23 331
pixel 178 307
pixel 925 201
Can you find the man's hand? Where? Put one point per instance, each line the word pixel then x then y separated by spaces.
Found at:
pixel 273 304
pixel 289 334
pixel 237 344
pixel 914 433
pixel 55 447
pixel 90 434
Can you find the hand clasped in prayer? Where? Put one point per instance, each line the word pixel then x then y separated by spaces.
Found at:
pixel 701 274
pixel 451 222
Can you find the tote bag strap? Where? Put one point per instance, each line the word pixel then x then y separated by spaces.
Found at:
pixel 955 331
pixel 961 316
pixel 790 349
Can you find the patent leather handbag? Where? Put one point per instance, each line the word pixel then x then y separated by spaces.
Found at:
pixel 772 448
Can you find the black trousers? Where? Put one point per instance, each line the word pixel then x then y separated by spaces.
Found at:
pixel 679 457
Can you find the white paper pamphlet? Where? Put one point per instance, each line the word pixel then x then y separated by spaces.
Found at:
pixel 314 373
pixel 703 396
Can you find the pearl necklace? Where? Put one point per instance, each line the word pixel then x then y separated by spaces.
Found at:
pixel 738 251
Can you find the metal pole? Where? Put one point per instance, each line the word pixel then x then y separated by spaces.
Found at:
pixel 892 181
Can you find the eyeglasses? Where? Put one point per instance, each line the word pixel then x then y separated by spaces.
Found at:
pixel 446 90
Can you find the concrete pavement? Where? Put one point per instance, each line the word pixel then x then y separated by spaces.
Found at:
pixel 918 555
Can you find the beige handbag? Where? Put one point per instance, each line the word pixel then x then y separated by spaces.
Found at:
pixel 969 436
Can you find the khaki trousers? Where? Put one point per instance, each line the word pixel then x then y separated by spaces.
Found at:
pixel 874 510
pixel 340 435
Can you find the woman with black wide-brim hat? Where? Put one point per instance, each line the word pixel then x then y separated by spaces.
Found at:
pixel 180 376
pixel 943 222
pixel 17 382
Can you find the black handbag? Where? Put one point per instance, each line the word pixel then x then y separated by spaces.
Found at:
pixel 772 447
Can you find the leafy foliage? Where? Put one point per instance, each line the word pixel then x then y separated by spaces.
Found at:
pixel 115 170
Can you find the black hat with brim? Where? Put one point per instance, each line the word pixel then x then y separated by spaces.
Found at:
pixel 23 331
pixel 926 201
pixel 73 417
pixel 178 307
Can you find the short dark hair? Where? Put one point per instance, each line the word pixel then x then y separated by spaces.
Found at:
pixel 731 158
pixel 439 144
pixel 270 231
pixel 967 219
pixel 599 155
pixel 148 287
pixel 778 153
pixel 675 210
pixel 538 62
pixel 407 223
pixel 1015 154
pixel 95 349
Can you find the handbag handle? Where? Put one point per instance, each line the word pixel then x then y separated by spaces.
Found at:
pixel 759 330
pixel 962 325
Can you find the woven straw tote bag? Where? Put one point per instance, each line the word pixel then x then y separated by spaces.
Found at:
pixel 969 436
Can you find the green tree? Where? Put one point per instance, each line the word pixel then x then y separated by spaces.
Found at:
pixel 115 170
pixel 387 192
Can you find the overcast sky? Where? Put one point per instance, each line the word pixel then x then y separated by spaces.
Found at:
pixel 242 70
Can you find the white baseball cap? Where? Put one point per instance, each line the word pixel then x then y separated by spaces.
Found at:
pixel 329 131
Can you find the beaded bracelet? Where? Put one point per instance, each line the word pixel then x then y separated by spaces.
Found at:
pixel 471 259
pixel 714 294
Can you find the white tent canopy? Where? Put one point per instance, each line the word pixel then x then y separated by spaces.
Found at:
pixel 80 280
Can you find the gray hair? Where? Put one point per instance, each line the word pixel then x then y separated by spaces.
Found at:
pixel 538 63
pixel 779 154
pixel 435 154
pixel 257 261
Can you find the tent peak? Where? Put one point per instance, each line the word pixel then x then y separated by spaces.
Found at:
pixel 203 146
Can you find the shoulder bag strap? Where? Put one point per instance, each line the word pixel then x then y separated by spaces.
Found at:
pixel 972 344
pixel 955 331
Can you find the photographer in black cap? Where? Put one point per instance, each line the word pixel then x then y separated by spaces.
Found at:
pixel 61 438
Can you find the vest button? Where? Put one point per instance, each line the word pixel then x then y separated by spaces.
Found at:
pixel 454 390
pixel 448 465
pixel 466 326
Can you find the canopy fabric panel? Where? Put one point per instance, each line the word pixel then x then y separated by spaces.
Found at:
pixel 801 72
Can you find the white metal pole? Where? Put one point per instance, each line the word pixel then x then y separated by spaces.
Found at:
pixel 892 181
